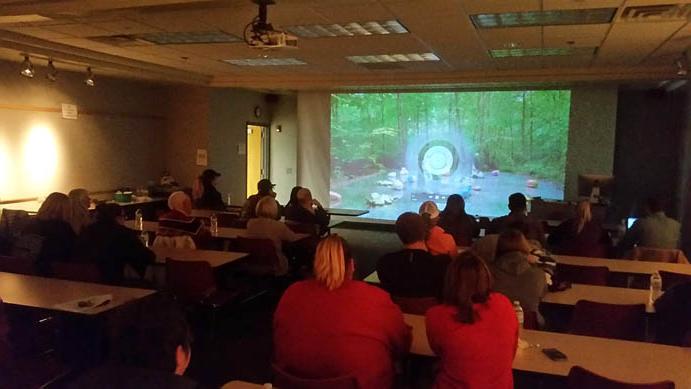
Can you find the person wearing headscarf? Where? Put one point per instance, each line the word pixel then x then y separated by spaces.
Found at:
pixel 80 202
pixel 210 197
pixel 51 231
pixel 438 241
pixel 178 221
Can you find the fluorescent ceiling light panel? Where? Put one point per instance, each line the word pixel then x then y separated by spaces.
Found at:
pixel 193 37
pixel 383 58
pixel 544 18
pixel 350 29
pixel 29 18
pixel 538 52
pixel 265 62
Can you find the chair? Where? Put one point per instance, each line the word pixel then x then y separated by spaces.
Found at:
pixel 303 228
pixel 85 272
pixel 181 242
pixel 16 265
pixel 13 222
pixel 591 275
pixel 580 378
pixel 415 305
pixel 263 259
pixel 669 279
pixel 531 321
pixel 615 321
pixel 285 380
pixel 657 255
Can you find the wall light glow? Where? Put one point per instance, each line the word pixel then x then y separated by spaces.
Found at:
pixel 6 171
pixel 41 159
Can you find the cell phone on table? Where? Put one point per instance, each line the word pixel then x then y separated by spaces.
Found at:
pixel 554 354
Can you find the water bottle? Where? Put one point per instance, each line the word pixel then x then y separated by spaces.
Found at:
pixel 655 286
pixel 213 221
pixel 228 199
pixel 144 237
pixel 519 313
pixel 138 220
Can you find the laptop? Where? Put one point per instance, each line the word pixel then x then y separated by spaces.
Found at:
pixel 630 221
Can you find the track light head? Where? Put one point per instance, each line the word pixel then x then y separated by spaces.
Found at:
pixel 89 80
pixel 27 68
pixel 52 71
pixel 682 67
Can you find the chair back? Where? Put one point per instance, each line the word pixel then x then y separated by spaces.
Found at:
pixel 591 275
pixel 85 272
pixel 615 321
pixel 285 380
pixel 179 242
pixel 530 320
pixel 263 259
pixel 13 221
pixel 415 305
pixel 669 279
pixel 580 378
pixel 486 247
pixel 303 228
pixel 27 246
pixel 16 265
pixel 190 281
pixel 658 255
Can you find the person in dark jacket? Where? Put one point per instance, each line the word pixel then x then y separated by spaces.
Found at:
pixel 455 221
pixel 580 236
pixel 673 316
pixel 518 207
pixel 152 350
pixel 308 210
pixel 112 246
pixel 210 197
pixel 264 188
pixel 53 232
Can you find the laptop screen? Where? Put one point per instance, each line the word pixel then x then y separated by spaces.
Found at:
pixel 630 221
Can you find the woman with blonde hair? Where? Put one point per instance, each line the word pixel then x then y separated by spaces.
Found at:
pixel 50 233
pixel 80 202
pixel 333 326
pixel 580 236
pixel 438 241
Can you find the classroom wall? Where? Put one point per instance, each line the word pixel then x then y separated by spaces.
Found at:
pixel 284 146
pixel 592 128
pixel 685 176
pixel 117 139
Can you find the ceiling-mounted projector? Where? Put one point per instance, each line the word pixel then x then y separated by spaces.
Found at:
pixel 261 35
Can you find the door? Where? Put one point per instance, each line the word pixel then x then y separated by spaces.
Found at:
pixel 257 156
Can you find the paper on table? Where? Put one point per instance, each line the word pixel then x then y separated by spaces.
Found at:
pixel 85 304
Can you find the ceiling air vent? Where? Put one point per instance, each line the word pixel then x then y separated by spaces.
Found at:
pixel 647 13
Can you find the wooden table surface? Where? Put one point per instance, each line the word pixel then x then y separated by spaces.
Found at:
pixel 625 265
pixel 223 232
pixel 215 258
pixel 45 293
pixel 244 385
pixel 628 361
pixel 600 294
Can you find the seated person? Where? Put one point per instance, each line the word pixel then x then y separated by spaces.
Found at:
pixel 580 236
pixel 264 189
pixel 210 197
pixel 673 316
pixel 475 331
pixel 53 231
pixel 266 226
pixel 308 211
pixel 293 201
pixel 413 271
pixel 655 230
pixel 112 246
pixel 332 326
pixel 455 221
pixel 178 222
pixel 80 203
pixel 518 208
pixel 438 241
pixel 516 273
pixel 151 350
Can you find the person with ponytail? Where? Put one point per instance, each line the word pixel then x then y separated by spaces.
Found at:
pixel 474 331
pixel 438 241
pixel 333 326
pixel 580 236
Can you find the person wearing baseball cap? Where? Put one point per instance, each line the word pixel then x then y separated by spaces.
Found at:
pixel 210 197
pixel 438 241
pixel 264 188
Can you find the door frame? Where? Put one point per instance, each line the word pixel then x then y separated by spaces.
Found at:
pixel 266 148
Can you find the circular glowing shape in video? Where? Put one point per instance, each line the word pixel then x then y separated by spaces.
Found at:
pixel 438 158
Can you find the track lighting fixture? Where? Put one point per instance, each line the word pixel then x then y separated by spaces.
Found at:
pixel 682 66
pixel 27 68
pixel 89 80
pixel 52 71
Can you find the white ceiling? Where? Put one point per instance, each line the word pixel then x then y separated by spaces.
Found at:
pixel 628 50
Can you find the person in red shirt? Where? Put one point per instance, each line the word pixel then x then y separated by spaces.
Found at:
pixel 438 241
pixel 333 326
pixel 474 332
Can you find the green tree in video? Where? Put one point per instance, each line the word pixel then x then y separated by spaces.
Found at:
pixel 523 132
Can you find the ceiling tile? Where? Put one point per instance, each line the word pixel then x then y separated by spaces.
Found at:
pixel 521 37
pixel 630 43
pixel 590 35
pixel 78 30
pixel 579 4
pixel 497 6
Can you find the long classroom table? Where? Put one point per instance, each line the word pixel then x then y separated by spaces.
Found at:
pixel 625 266
pixel 600 294
pixel 215 258
pixel 627 361
pixel 47 293
pixel 223 232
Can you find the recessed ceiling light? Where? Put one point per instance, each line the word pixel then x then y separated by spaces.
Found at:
pixel 381 58
pixel 265 62
pixel 193 37
pixel 27 69
pixel 350 29
pixel 544 18
pixel 539 52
